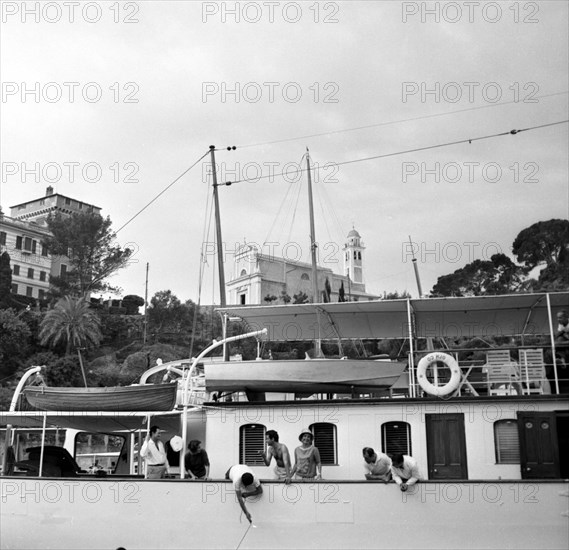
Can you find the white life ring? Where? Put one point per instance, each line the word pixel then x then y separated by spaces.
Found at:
pixel 450 362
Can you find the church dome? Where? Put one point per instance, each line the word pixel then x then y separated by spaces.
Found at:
pixel 354 233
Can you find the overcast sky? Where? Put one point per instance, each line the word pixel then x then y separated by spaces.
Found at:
pixel 110 102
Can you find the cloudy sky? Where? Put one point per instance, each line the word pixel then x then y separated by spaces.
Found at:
pixel 110 102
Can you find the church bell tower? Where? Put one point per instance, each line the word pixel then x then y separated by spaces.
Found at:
pixel 353 251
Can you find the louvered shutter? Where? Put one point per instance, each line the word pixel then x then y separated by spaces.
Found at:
pixel 396 438
pixel 506 440
pixel 325 441
pixel 251 441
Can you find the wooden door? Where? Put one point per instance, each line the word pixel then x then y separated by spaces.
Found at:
pixel 539 451
pixel 446 446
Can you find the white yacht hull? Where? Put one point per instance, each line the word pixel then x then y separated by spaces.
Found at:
pixel 42 513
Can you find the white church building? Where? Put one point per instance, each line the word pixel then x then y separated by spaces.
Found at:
pixel 260 279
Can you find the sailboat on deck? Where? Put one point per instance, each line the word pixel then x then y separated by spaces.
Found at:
pixel 303 376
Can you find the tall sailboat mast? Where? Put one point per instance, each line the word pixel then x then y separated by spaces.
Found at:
pixel 313 244
pixel 218 239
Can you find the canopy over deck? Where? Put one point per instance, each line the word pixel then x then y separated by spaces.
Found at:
pixel 93 421
pixel 508 315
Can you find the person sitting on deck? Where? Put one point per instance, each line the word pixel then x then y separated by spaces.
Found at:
pixel 245 483
pixel 377 465
pixel 281 455
pixel 404 471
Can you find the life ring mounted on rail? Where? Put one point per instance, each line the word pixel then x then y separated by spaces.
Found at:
pixel 451 364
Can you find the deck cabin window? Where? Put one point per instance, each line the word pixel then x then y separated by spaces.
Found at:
pixel 325 441
pixel 506 442
pixel 251 441
pixel 396 438
pixel 94 451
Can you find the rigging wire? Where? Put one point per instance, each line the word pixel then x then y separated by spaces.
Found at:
pixel 423 117
pixel 161 193
pixel 403 152
pixel 283 203
pixel 295 210
pixel 205 238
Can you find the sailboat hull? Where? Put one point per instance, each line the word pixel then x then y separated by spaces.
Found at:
pixel 314 375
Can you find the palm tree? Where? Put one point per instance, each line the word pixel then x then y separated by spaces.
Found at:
pixel 73 323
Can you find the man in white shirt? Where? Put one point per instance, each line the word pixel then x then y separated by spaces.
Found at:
pixel 377 465
pixel 404 471
pixel 245 483
pixel 154 453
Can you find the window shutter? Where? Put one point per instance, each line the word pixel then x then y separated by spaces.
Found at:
pixel 325 442
pixel 251 441
pixel 396 438
pixel 507 443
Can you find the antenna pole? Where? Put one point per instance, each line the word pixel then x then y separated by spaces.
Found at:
pixel 416 268
pixel 146 306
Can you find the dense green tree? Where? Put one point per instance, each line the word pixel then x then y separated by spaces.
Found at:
pixel 171 321
pixel 71 323
pixel 86 240
pixel 300 298
pixel 5 281
pixel 396 295
pixel 131 303
pixel 543 243
pixel 166 313
pixel 64 372
pixel 546 245
pixel 499 275
pixel 14 342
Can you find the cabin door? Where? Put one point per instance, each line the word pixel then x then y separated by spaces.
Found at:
pixel 446 446
pixel 539 452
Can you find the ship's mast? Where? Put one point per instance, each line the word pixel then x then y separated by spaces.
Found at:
pixel 219 241
pixel 313 246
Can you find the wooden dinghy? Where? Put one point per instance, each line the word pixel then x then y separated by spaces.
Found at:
pixel 144 397
pixel 314 375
